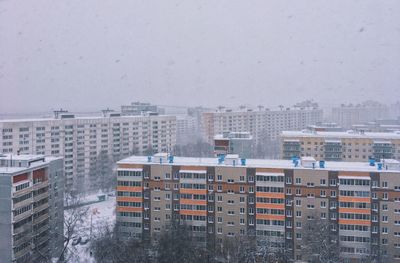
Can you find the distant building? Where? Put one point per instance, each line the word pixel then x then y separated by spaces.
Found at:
pixel 186 129
pixel 273 199
pixel 240 143
pixel 31 207
pixel 138 108
pixel 341 146
pixel 378 126
pixel 90 145
pixel 325 126
pixel 348 115
pixel 263 124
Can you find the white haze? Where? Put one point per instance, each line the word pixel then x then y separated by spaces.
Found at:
pixel 86 55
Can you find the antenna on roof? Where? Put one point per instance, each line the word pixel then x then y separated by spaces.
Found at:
pixel 108 110
pixel 58 112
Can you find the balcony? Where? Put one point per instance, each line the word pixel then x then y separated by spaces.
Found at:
pixel 40 196
pixel 22 216
pixel 23 228
pixel 40 185
pixel 40 219
pixel 24 239
pixel 41 207
pixel 42 229
pixel 23 252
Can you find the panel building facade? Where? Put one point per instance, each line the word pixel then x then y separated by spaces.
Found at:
pixel 270 200
pixel 89 145
pixel 341 146
pixel 31 208
pixel 263 124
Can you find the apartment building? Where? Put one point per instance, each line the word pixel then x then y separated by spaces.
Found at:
pixel 89 145
pixel 263 124
pixel 348 115
pixel 228 197
pixel 138 108
pixel 240 143
pixel 31 207
pixel 187 129
pixel 341 146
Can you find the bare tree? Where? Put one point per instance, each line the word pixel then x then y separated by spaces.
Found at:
pixel 271 249
pixel 176 244
pixel 74 215
pixel 239 249
pixel 107 248
pixel 320 243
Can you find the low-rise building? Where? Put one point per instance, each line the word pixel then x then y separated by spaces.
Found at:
pixel 240 143
pixel 341 146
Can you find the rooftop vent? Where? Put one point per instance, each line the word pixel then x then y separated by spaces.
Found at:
pixel 308 162
pixel 390 164
pixel 160 158
pixel 232 159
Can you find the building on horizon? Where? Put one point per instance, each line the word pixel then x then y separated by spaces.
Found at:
pixel 90 145
pixel 350 114
pixel 232 197
pixel 31 207
pixel 341 146
pixel 391 125
pixel 140 108
pixel 187 130
pixel 263 124
pixel 240 143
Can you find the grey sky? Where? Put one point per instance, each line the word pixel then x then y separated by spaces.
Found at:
pixel 85 55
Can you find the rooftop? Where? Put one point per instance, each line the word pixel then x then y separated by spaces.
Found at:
pixel 11 163
pixel 345 134
pixel 80 118
pixel 257 163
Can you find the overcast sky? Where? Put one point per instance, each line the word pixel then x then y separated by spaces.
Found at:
pixel 86 55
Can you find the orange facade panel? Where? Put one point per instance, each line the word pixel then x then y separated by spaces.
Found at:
pixel 354 199
pixel 129 209
pixel 270 195
pixel 355 211
pixel 193 202
pixel 129 199
pixel 194 168
pixel 345 173
pixel 193 212
pixel 193 191
pixel 354 222
pixel 130 166
pixel 270 217
pixel 269 170
pixel 130 188
pixel 270 206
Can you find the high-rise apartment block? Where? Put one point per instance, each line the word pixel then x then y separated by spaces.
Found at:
pixel 89 145
pixel 31 208
pixel 263 124
pixel 348 115
pixel 272 199
pixel 341 146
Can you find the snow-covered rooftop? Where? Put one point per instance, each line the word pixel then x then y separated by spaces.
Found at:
pixel 256 163
pixel 346 134
pixel 9 162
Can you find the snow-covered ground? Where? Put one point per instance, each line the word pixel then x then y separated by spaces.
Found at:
pixel 99 215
